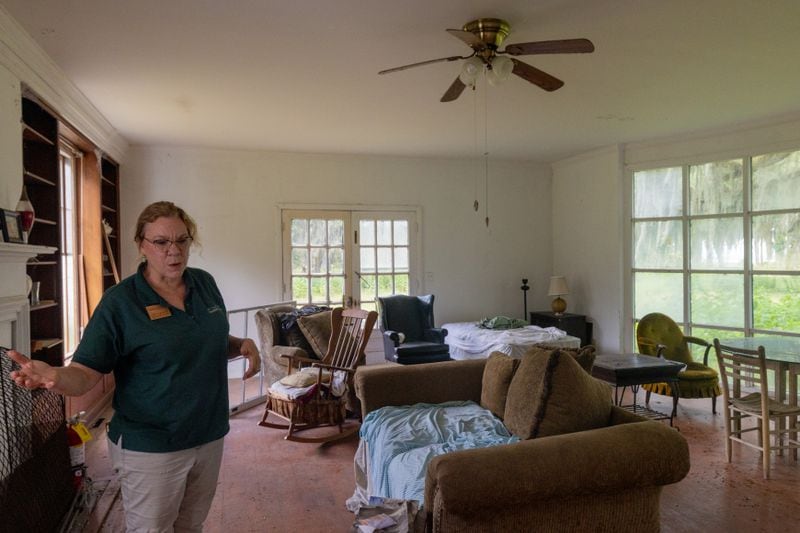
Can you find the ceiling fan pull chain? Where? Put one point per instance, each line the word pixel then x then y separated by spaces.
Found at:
pixel 486 146
pixel 475 204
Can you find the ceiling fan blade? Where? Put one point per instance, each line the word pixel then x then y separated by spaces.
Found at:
pixel 472 40
pixel 454 91
pixel 428 62
pixel 536 76
pixel 563 46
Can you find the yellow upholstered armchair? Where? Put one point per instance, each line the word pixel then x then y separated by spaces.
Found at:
pixel 658 335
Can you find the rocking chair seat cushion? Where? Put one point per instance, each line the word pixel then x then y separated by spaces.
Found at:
pixel 305 378
pixel 288 392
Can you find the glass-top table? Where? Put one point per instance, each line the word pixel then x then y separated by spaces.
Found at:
pixel 783 357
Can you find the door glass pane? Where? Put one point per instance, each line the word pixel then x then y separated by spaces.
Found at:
pixel 384 232
pixel 336 288
pixel 336 260
pixel 658 244
pixel 299 232
pixel 718 299
pixel 319 261
pixel 317 231
pixel 717 243
pixel 319 290
pixel 335 232
pixel 384 259
pixel 401 259
pixel 367 259
pixel 385 285
pixel 658 192
pixel 776 303
pixel 311 258
pixel 366 235
pixel 776 181
pixel 716 188
pixel 401 284
pixel 658 292
pixel 369 287
pixel 400 233
pixel 776 242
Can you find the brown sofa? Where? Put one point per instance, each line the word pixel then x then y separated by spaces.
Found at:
pixel 608 478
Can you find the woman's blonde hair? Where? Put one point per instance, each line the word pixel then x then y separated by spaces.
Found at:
pixel 163 209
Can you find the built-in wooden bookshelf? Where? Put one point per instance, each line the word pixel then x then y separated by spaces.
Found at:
pixel 109 204
pixel 41 180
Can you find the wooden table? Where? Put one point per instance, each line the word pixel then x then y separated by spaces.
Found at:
pixel 633 370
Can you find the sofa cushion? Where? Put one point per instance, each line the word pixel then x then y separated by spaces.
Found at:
pixel 551 394
pixel 497 376
pixel 317 330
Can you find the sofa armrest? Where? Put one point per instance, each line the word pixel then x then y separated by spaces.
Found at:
pixel 601 461
pixel 390 384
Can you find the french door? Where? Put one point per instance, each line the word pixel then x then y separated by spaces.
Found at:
pixel 349 258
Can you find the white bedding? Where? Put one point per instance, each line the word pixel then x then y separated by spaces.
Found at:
pixel 468 341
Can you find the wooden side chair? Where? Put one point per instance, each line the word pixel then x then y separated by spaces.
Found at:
pixel 776 428
pixel 316 396
pixel 659 336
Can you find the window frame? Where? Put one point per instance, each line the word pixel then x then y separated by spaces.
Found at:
pixel 686 217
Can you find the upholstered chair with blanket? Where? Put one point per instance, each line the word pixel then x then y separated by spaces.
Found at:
pixel 286 332
pixel 409 334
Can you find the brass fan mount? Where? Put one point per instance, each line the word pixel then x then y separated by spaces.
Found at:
pixel 491 32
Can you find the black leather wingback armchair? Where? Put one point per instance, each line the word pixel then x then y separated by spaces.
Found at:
pixel 411 316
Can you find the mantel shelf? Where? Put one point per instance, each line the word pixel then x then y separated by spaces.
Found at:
pixel 20 253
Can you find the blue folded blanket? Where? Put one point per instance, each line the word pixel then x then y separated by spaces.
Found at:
pixel 402 440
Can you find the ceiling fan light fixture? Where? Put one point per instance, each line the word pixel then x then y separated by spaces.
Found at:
pixel 470 71
pixel 500 71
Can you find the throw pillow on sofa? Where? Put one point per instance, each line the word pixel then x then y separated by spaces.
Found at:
pixel 317 330
pixel 584 355
pixel 497 375
pixel 551 394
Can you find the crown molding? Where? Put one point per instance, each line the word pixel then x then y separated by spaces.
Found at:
pixel 26 60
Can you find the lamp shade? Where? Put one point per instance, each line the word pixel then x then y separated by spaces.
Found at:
pixel 501 70
pixel 558 286
pixel 470 71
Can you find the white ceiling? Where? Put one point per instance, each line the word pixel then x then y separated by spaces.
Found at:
pixel 301 75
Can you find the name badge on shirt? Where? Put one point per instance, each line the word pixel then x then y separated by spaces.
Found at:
pixel 156 312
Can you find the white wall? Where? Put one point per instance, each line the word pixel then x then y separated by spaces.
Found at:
pixel 587 243
pixel 234 195
pixel 10 143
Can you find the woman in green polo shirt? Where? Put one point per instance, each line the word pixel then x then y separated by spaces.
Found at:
pixel 163 332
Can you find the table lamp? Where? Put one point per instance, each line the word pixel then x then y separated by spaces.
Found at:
pixel 558 288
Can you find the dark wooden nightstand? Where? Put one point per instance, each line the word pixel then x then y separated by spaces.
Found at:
pixel 575 325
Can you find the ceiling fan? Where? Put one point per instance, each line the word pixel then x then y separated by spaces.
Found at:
pixel 485 36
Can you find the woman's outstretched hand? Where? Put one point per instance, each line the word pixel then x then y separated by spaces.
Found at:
pixel 32 374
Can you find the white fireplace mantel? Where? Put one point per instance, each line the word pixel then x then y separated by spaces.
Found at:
pixel 14 308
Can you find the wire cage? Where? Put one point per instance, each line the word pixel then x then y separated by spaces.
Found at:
pixel 36 488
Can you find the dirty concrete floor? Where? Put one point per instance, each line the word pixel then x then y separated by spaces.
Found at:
pixel 269 484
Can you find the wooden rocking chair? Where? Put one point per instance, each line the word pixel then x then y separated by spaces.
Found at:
pixel 315 396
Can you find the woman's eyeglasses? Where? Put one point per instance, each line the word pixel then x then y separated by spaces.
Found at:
pixel 163 245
